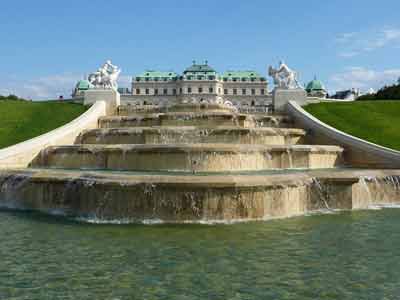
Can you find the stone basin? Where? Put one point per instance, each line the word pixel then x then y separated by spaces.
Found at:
pixel 187 198
pixel 191 134
pixel 189 157
pixel 126 110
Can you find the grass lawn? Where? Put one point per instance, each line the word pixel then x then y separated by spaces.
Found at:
pixel 22 120
pixel 374 121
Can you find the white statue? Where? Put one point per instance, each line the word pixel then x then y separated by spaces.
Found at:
pixel 284 77
pixel 105 77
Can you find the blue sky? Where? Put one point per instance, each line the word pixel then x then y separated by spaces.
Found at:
pixel 47 45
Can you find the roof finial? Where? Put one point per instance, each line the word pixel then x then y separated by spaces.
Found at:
pixel 206 62
pixel 194 62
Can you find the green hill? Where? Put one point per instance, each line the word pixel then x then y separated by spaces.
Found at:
pixel 375 121
pixel 21 120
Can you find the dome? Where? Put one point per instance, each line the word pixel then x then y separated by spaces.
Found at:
pixel 83 85
pixel 315 85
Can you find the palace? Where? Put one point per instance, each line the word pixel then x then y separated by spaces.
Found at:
pixel 199 83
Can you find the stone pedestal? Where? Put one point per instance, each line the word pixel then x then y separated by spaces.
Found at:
pixel 280 97
pixel 110 96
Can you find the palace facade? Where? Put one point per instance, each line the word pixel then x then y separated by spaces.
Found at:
pixel 199 83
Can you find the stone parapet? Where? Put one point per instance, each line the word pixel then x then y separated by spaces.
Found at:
pixel 111 98
pixel 281 97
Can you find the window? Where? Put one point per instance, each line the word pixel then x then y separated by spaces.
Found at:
pixel 165 91
pixel 210 90
pixel 174 91
pixel 225 79
pixel 155 78
pixel 180 91
pixel 189 90
pixel 219 90
pixel 200 77
pixel 200 90
pixel 235 91
pixel 147 91
pixel 243 91
pixel 155 91
pixel 137 91
pixel 234 79
pixel 225 91
pixel 253 91
pixel 137 78
pixel 211 77
pixel 147 79
pixel 262 92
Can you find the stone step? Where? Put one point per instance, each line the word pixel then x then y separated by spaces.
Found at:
pixel 189 158
pixel 190 134
pixel 200 119
pixel 126 110
pixel 105 196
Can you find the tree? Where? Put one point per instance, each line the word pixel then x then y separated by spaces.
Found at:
pixel 386 93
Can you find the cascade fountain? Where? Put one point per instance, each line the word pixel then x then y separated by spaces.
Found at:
pixel 197 167
pixel 193 163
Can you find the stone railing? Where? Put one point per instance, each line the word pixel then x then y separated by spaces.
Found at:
pixel 20 155
pixel 358 152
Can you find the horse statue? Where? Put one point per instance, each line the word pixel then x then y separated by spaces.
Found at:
pixel 284 77
pixel 105 77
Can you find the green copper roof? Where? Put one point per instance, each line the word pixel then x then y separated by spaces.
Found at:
pixel 242 75
pixel 83 85
pixel 315 85
pixel 158 74
pixel 199 68
pixel 201 72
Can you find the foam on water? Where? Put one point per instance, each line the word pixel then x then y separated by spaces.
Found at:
pixel 384 206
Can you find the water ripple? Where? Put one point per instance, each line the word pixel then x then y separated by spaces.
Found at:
pixel 340 255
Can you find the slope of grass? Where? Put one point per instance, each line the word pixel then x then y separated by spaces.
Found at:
pixel 374 121
pixel 22 120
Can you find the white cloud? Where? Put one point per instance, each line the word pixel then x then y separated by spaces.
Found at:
pixel 352 44
pixel 48 87
pixel 363 78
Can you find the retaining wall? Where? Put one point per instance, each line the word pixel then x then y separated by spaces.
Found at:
pixel 20 155
pixel 358 152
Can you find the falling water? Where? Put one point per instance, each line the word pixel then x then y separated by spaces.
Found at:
pixel 10 188
pixel 364 185
pixel 322 194
pixel 290 158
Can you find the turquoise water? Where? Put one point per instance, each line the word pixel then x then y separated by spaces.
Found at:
pixel 350 255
